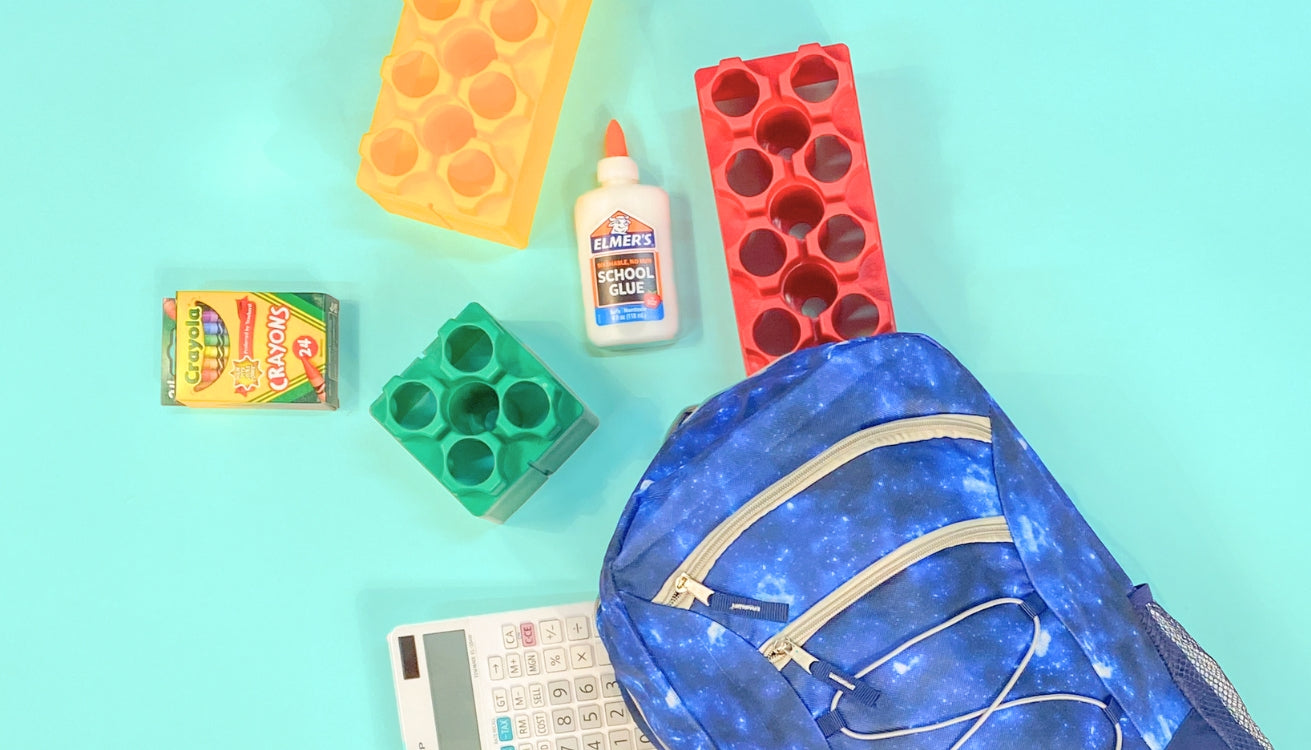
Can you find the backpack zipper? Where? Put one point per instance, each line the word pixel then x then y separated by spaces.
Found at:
pixel 684 586
pixel 787 645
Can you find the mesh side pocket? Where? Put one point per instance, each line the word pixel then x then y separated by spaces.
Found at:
pixel 1199 677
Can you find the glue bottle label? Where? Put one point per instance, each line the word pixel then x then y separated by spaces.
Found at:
pixel 626 271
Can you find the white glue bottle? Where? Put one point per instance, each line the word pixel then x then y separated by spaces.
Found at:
pixel 625 255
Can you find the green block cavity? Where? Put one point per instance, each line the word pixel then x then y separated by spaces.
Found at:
pixel 483 415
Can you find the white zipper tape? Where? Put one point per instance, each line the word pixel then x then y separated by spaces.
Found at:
pixel 902 431
pixel 780 649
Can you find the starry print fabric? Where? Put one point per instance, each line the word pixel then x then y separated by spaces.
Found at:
pixel 696 677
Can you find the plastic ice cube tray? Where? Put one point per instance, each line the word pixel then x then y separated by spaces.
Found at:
pixel 483 415
pixel 470 97
pixel 796 209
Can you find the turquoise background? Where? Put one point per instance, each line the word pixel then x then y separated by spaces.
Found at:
pixel 1100 208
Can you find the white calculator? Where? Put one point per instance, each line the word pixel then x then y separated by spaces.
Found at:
pixel 533 679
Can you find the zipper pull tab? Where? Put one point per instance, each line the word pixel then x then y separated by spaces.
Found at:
pixel 785 651
pixel 747 607
pixel 857 690
pixel 730 603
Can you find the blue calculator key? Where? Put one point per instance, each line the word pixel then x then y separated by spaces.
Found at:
pixel 504 729
pixel 507 747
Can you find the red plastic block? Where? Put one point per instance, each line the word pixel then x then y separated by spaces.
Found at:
pixel 796 209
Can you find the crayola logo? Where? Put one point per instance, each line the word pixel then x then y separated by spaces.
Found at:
pixel 621 231
pixel 195 345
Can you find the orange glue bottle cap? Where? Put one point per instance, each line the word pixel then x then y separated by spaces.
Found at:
pixel 615 145
pixel 616 167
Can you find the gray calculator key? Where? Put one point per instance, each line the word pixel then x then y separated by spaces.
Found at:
pixel 564 720
pixel 567 743
pixel 550 632
pixel 589 716
pixel 644 742
pixel 621 739
pixel 559 692
pixel 586 688
pixel 577 629
pixel 556 660
pixel 594 742
pixel 616 714
pixel 580 657
pixel 609 688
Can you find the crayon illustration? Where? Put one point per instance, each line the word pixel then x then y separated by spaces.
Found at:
pixel 215 355
pixel 315 377
pixel 171 308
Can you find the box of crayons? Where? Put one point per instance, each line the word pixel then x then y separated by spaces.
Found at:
pixel 249 350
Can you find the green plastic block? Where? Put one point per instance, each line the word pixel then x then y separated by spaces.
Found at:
pixel 483 415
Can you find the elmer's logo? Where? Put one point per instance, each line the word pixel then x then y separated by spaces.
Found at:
pixel 621 231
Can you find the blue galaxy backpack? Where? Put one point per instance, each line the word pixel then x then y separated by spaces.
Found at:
pixel 855 549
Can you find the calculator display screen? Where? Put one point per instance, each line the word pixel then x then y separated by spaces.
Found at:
pixel 451 685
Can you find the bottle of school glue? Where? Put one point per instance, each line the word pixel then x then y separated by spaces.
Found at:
pixel 625 254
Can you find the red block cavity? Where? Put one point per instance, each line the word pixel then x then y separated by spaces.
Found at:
pixel 796 209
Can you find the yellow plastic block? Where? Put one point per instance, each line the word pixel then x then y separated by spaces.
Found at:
pixel 470 97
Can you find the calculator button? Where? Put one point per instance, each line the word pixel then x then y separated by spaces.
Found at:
pixel 543 745
pixel 496 667
pixel 541 724
pixel 518 697
pixel 551 631
pixel 528 634
pixel 580 657
pixel 510 636
pixel 609 688
pixel 567 743
pixel 500 700
pixel 562 719
pixel 620 739
pixel 594 742
pixel 537 695
pixel 532 663
pixel 514 666
pixel 602 656
pixel 560 693
pixel 504 730
pixel 522 729
pixel 577 629
pixel 643 742
pixel 586 688
pixel 556 660
pixel 589 717
pixel 525 746
pixel 616 714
